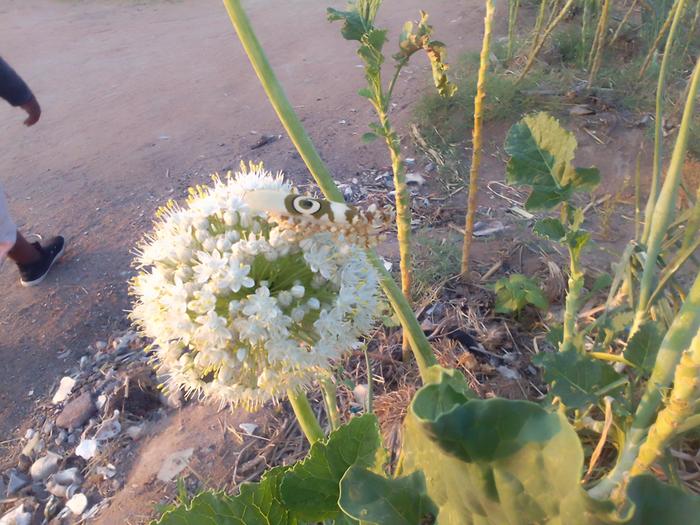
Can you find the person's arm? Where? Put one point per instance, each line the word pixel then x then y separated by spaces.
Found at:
pixel 16 92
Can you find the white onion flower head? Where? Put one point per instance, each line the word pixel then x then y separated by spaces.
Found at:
pixel 243 307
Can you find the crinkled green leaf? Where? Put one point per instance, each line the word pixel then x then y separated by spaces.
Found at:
pixel 656 503
pixel 311 488
pixel 358 18
pixel 513 293
pixel 551 229
pixel 376 500
pixel 257 504
pixel 495 461
pixel 643 346
pixel 371 51
pixel 575 377
pixel 542 152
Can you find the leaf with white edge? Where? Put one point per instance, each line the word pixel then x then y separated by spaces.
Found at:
pixel 658 503
pixel 376 500
pixel 310 489
pixel 256 504
pixel 574 377
pixel 496 461
pixel 551 229
pixel 643 346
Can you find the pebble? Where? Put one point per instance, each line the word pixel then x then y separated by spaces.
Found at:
pixel 32 446
pixel 24 463
pixel 77 504
pixel 65 388
pixel 109 428
pixel 17 516
pixel 43 467
pixel 16 482
pixel 100 345
pixel 76 412
pixel 86 449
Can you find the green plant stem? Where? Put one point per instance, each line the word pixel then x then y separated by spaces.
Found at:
pixel 305 416
pixel 403 211
pixel 419 343
pixel 689 424
pixel 370 383
pixel 600 43
pixel 331 403
pixel 476 140
pixel 658 135
pixel 513 8
pixel 538 25
pixel 538 46
pixel 678 338
pixel 585 23
pixel 666 204
pixel 667 23
pixel 279 101
pixel 614 358
pixel 686 387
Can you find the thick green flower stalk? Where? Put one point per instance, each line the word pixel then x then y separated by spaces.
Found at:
pixel 513 8
pixel 663 210
pixel 658 122
pixel 251 291
pixel 416 338
pixel 684 329
pixel 476 139
pixel 681 405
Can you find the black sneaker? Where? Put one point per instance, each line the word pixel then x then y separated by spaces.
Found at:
pixel 33 274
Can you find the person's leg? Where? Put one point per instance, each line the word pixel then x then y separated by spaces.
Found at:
pixel 23 252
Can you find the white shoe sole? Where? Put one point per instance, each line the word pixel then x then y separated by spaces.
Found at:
pixel 35 282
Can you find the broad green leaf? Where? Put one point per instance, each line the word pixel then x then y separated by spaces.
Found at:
pixel 574 377
pixel 311 488
pixel 551 229
pixel 369 137
pixel 492 462
pixel 357 20
pixel 585 179
pixel 602 282
pixel 643 346
pixel 376 500
pixel 257 504
pixel 515 292
pixel 658 503
pixel 541 154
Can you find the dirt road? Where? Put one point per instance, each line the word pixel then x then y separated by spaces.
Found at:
pixel 141 100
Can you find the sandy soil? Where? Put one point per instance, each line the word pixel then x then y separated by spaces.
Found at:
pixel 141 100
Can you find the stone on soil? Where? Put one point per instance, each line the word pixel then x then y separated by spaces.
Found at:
pixel 45 466
pixel 174 464
pixel 76 412
pixel 16 482
pixel 65 388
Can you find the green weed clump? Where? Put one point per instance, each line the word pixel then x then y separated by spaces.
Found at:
pixel 451 119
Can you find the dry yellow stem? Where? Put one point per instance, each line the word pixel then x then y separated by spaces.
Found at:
pixel 476 139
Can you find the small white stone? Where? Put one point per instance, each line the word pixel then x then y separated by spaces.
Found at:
pixel 43 467
pixel 77 504
pixel 248 428
pixel 64 390
pixel 16 516
pixel 86 449
pixel 361 393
